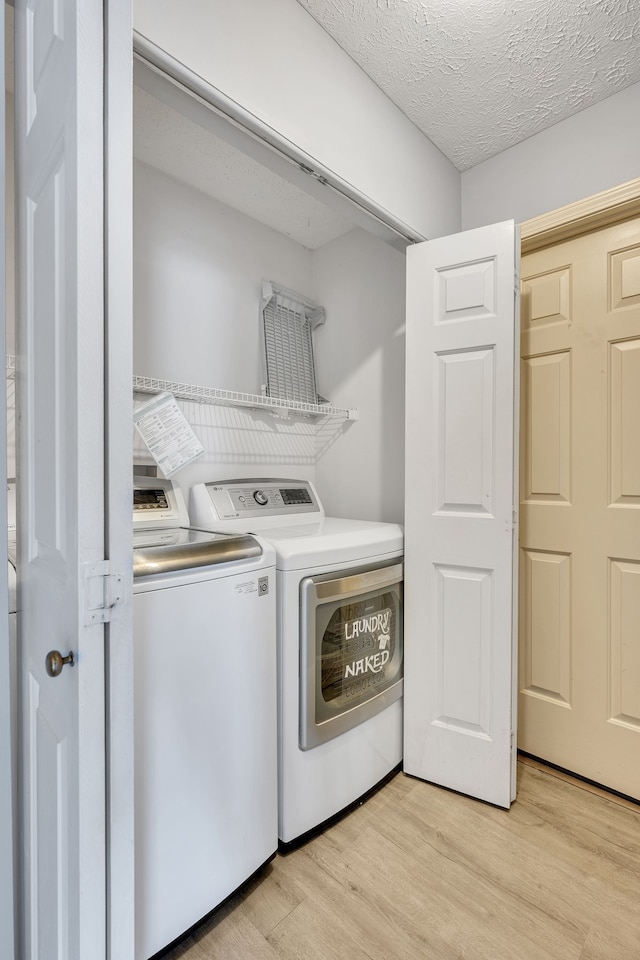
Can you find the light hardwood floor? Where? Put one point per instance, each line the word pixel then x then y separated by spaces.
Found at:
pixel 419 873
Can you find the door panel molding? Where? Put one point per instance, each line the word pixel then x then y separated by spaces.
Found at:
pixel 624 656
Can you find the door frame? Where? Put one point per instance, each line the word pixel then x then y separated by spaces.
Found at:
pixel 600 210
pixel 8 811
pixel 118 401
pixel 118 308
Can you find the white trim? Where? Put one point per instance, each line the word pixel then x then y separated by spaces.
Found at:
pixel 118 159
pixel 600 210
pixel 159 62
pixel 8 812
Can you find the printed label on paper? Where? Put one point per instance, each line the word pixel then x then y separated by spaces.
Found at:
pixel 167 434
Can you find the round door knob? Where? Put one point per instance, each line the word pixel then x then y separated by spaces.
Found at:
pixel 55 662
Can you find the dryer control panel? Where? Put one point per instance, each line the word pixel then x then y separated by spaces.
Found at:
pixel 234 499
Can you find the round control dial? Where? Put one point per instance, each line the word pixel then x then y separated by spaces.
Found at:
pixel 261 498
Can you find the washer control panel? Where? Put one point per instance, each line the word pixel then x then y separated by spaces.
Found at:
pixel 153 499
pixel 232 499
pixel 157 503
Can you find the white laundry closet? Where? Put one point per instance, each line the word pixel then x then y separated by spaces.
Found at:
pixel 210 224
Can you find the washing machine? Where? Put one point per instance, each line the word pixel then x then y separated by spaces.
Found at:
pixel 340 643
pixel 204 634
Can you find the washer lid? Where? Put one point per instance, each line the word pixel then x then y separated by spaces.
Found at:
pixel 331 540
pixel 182 548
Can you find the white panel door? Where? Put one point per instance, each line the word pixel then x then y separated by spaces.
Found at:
pixel 59 210
pixel 460 520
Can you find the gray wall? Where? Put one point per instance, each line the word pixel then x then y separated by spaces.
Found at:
pixel 360 360
pixel 198 265
pixel 592 151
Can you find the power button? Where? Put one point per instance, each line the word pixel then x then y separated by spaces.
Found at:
pixel 263 586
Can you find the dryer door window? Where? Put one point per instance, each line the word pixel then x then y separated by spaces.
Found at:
pixel 359 651
pixel 351 650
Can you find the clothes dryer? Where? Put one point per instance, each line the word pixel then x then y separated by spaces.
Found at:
pixel 340 646
pixel 205 714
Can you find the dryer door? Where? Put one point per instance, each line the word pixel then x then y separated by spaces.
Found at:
pixel 351 651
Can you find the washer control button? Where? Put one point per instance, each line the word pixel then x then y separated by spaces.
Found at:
pixel 261 498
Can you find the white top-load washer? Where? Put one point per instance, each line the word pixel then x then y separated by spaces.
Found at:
pixel 340 653
pixel 204 633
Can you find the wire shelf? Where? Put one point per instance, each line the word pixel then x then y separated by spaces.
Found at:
pixel 231 398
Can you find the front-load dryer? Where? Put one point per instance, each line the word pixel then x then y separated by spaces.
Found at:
pixel 340 648
pixel 204 635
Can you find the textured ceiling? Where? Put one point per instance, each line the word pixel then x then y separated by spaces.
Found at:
pixel 478 76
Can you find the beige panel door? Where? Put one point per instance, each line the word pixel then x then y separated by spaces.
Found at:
pixel 579 704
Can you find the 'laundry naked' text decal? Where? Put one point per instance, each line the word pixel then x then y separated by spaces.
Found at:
pixel 372 632
pixel 371 664
pixel 376 622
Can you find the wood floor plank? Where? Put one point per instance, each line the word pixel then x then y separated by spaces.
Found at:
pixel 367 905
pixel 589 833
pixel 235 938
pixel 345 831
pixel 472 871
pixel 228 933
pixel 420 873
pixel 427 900
pixel 315 931
pixel 565 875
pixel 612 940
pixel 576 781
pixel 271 897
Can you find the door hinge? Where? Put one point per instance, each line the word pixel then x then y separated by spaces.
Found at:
pixel 103 591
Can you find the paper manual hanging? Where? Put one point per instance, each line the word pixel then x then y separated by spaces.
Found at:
pixel 167 434
pixel 288 322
